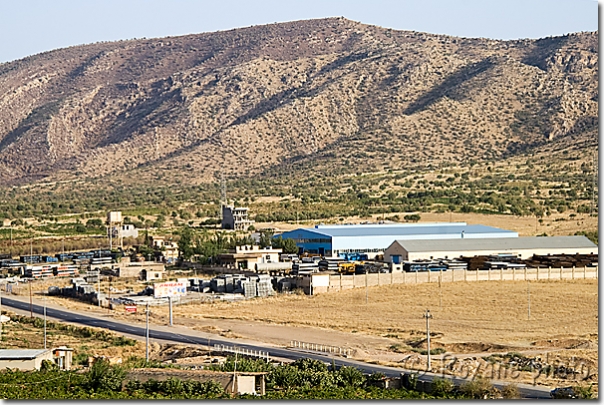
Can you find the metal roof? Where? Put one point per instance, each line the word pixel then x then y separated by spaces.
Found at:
pixel 400 230
pixel 520 243
pixel 18 354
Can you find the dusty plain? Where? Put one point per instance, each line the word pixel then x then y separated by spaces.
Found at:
pixel 471 321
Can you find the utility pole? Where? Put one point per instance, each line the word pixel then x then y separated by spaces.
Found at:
pixel 428 316
pixel 0 316
pixel 98 280
pixel 528 292
pixel 31 305
pixel 234 371
pixel 440 291
pixel 109 296
pixel 147 336
pixel 44 322
pixel 366 288
pixel 593 183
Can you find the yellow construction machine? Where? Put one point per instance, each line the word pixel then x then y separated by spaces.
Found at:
pixel 346 268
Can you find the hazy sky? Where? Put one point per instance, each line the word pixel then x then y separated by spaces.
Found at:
pixel 32 26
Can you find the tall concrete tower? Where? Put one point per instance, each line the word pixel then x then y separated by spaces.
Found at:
pixel 115 223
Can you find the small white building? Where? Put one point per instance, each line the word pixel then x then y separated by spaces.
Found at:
pixel 247 256
pixel 31 359
pixel 522 247
pixel 129 231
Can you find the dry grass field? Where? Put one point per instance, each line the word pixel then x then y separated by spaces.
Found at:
pixel 471 321
pixel 474 314
pixel 480 312
pixel 555 225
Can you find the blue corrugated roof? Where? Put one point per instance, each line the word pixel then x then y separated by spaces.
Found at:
pixel 403 229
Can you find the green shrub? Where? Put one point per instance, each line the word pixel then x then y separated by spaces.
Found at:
pixel 442 386
pixel 479 388
pixel 510 391
pixel 104 377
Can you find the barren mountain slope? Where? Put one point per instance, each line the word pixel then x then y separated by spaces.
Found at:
pixel 344 94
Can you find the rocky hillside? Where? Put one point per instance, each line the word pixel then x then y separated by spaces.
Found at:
pixel 331 93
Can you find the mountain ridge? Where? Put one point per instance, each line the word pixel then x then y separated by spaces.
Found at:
pixel 241 101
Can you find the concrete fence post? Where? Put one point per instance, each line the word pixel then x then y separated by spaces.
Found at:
pixel 340 281
pixel 549 273
pixel 429 275
pixel 354 279
pixel 560 272
pixel 477 274
pixel 501 274
pixel 465 274
pixel 378 277
pixel 525 270
pixel 584 272
pixel 453 275
pixel 416 277
pixel 537 273
pixel 489 275
pixel 573 272
pixel 391 275
pixel 514 273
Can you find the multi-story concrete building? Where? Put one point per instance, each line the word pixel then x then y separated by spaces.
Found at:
pixel 235 218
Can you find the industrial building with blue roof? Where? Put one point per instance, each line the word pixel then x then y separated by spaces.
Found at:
pixel 373 239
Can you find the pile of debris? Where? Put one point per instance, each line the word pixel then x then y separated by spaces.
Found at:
pixel 79 289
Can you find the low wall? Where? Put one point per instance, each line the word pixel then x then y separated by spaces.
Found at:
pixel 339 282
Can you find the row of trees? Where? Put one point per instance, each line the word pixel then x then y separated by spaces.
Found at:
pixel 303 379
pixel 205 245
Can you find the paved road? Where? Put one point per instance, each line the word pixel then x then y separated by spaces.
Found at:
pixel 181 335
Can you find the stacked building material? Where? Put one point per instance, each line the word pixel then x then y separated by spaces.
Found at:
pixel 38 272
pixel 264 287
pixel 30 259
pixel 249 288
pixel 305 268
pixel 66 271
pixel 330 264
pixel 455 264
pixel 91 276
pixel 228 283
pixel 49 259
pixel 474 263
pixel 217 284
pixel 579 260
pixel 274 268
